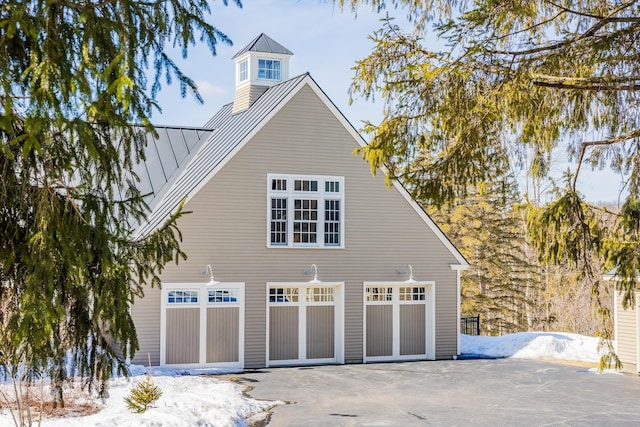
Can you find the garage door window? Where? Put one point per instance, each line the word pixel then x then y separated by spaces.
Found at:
pixel 412 294
pixel 223 296
pixel 283 295
pixel 182 297
pixel 379 294
pixel 320 294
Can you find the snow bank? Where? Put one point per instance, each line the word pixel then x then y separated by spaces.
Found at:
pixel 533 345
pixel 186 401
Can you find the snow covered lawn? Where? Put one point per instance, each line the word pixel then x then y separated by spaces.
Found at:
pixel 207 400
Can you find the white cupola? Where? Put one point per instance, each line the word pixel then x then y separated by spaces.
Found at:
pixel 260 65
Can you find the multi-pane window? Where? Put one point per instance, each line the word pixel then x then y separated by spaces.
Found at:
pixel 269 69
pixel 412 294
pixel 305 221
pixel 306 211
pixel 278 221
pixel 243 70
pixel 182 297
pixel 283 294
pixel 379 294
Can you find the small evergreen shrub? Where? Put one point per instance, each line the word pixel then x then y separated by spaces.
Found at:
pixel 144 394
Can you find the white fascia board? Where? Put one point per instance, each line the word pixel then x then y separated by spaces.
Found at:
pixel 462 262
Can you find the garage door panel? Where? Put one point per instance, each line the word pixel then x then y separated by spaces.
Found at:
pixel 379 330
pixel 320 332
pixel 183 335
pixel 283 333
pixel 223 332
pixel 412 329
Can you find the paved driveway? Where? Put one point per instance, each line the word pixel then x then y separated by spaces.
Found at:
pixel 505 392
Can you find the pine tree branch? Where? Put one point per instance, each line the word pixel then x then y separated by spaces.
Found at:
pixel 610 141
pixel 591 32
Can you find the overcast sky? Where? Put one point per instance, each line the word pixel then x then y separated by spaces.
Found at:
pixel 325 42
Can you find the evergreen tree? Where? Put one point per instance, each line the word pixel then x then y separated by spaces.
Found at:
pixel 528 76
pixel 73 78
pixel 502 282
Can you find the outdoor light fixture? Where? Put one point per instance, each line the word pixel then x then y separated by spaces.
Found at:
pixel 410 279
pixel 315 280
pixel 211 281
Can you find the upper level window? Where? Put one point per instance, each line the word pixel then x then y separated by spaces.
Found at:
pixel 305 211
pixel 269 69
pixel 243 70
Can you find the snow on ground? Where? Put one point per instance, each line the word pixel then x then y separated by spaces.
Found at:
pixel 197 398
pixel 533 345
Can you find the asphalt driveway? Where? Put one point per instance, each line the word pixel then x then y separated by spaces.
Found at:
pixel 504 392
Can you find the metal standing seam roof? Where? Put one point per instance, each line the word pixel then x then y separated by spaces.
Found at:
pixel 264 43
pixel 228 130
pixel 164 158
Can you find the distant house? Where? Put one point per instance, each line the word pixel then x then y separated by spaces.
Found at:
pixel 627 329
pixel 297 255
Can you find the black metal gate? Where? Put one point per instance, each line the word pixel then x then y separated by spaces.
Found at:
pixel 470 325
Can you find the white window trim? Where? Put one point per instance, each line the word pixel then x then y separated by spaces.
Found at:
pixel 321 195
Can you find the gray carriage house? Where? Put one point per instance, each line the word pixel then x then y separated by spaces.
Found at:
pixel 297 255
pixel 626 327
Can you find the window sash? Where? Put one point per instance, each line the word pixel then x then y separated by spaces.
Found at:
pixel 269 69
pixel 244 71
pixel 305 211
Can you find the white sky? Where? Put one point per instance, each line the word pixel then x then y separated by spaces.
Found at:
pixel 327 43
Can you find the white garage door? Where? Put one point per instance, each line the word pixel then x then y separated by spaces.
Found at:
pixel 304 324
pixel 399 321
pixel 202 325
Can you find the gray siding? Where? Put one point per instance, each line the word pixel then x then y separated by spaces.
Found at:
pixel 627 335
pixel 146 316
pixel 228 229
pixel 354 322
pixel 246 96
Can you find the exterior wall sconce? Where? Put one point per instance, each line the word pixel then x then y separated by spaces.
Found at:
pixel 410 280
pixel 212 281
pixel 315 280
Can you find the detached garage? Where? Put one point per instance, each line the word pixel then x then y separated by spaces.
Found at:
pixel 310 249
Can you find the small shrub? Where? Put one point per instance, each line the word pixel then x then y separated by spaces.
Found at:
pixel 144 394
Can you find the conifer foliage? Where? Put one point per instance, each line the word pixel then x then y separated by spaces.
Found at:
pixel 73 78
pixel 470 83
pixel 503 280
